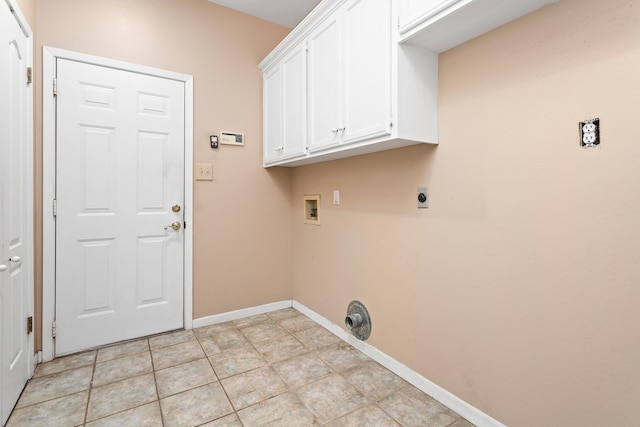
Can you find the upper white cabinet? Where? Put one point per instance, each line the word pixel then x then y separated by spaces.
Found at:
pixel 439 25
pixel 413 12
pixel 285 106
pixel 364 92
pixel 349 75
pixel 360 76
pixel 367 70
pixel 325 83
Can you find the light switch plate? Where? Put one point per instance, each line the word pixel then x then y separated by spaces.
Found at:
pixel 204 172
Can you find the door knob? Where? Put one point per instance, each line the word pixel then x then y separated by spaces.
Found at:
pixel 15 259
pixel 2 267
pixel 175 208
pixel 176 226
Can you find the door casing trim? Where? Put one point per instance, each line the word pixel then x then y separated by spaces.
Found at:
pixel 49 57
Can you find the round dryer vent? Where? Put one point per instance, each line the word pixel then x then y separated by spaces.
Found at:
pixel 358 320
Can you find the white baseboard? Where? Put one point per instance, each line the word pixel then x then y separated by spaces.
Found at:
pixel 451 401
pixel 239 314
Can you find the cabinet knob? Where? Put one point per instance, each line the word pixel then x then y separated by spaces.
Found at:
pixel 334 130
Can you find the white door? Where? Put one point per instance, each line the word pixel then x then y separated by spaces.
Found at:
pixel 367 70
pixel 325 84
pixel 119 188
pixel 272 115
pixel 294 85
pixel 16 211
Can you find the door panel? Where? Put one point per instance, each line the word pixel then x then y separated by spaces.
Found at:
pixel 272 115
pixel 367 70
pixel 120 169
pixel 16 249
pixel 294 78
pixel 325 84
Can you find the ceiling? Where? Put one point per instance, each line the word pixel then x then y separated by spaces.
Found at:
pixel 284 12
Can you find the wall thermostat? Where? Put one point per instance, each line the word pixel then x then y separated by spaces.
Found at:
pixel 214 141
pixel 231 138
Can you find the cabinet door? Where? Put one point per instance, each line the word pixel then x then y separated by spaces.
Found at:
pixel 414 11
pixel 294 109
pixel 367 70
pixel 272 115
pixel 325 84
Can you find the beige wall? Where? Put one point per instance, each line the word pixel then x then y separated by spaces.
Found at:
pixel 28 9
pixel 242 229
pixel 518 289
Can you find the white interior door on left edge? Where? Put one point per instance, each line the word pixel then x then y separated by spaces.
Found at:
pixel 120 205
pixel 16 210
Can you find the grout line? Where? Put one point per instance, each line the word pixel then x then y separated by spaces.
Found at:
pixel 93 372
pixel 155 381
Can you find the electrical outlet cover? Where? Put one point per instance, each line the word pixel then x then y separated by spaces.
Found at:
pixel 422 197
pixel 590 133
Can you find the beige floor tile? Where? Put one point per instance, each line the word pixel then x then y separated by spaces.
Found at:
pixel 257 364
pixel 236 361
pixel 122 368
pixel 280 348
pixel 316 338
pixel 331 397
pixel 56 385
pixel 209 345
pixel 373 380
pixel 283 314
pixel 65 363
pixel 342 356
pixel 66 411
pixel 166 357
pixel 251 320
pixel 217 329
pixel 228 421
pixel 462 423
pixel 172 338
pixel 370 416
pixel 196 406
pixel 301 370
pixel 254 386
pixel 411 407
pixel 263 332
pixel 120 396
pixel 223 337
pixel 143 416
pixel 120 350
pixel 184 377
pixel 285 410
pixel 298 323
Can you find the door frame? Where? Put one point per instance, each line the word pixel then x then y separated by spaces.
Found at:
pixel 49 57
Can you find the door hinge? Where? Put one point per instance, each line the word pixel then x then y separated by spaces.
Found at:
pixel 29 324
pixel 29 75
pixel 53 329
pixel 55 87
pixel 55 207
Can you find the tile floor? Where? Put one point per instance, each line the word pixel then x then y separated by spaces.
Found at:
pixel 276 369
